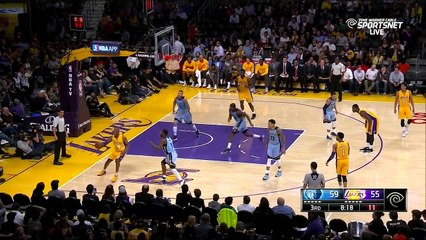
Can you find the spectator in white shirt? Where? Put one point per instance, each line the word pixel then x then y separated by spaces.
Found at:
pixel 347 79
pixel 293 24
pixel 55 192
pixel 291 56
pixel 239 10
pixel 219 51
pixel 395 79
pixel 246 206
pixel 178 47
pixel 329 27
pixel 370 79
pixel 234 18
pixel 265 33
pixel 19 218
pixel 359 76
pixel 342 41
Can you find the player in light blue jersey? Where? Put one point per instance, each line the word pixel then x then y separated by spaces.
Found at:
pixel 183 114
pixel 166 144
pixel 240 118
pixel 275 144
pixel 329 113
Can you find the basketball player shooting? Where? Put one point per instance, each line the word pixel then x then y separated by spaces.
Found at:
pixel 240 126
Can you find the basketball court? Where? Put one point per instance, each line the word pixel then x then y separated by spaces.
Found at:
pixel 395 162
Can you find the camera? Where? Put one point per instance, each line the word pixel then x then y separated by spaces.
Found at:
pixel 35 129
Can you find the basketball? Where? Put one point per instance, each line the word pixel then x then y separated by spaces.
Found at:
pixel 249 74
pixel 99 145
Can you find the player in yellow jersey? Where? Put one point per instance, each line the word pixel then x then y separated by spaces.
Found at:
pixel 372 124
pixel 341 151
pixel 188 71
pixel 248 67
pixel 244 93
pixel 404 102
pixel 119 149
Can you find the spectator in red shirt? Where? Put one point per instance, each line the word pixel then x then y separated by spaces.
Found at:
pixel 404 67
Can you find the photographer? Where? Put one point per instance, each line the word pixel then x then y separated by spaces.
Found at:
pixel 38 140
pixel 96 107
pixel 26 150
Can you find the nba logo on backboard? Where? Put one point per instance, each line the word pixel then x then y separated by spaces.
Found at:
pixel 355 194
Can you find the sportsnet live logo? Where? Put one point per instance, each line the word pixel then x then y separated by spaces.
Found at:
pixel 374 26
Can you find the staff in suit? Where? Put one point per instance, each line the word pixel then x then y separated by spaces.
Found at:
pixel 285 72
pixel 310 72
pixel 297 75
pixel 322 75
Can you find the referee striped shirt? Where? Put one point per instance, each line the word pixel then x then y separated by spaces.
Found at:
pixel 314 180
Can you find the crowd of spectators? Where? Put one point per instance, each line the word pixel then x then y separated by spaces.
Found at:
pixel 111 215
pixel 304 35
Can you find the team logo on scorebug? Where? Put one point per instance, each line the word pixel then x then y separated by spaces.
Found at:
pixel 355 194
pixel 156 177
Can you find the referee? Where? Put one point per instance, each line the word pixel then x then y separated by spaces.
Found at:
pixel 336 74
pixel 314 180
pixel 60 134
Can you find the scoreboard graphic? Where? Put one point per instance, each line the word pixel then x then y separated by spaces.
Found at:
pixel 353 200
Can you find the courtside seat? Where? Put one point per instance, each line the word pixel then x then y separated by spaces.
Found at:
pixel 23 200
pixel 213 215
pixel 192 210
pixel 175 212
pixel 7 200
pixel 300 224
pixel 282 227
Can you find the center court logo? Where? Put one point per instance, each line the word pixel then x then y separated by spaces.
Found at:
pixel 156 177
pixel 374 26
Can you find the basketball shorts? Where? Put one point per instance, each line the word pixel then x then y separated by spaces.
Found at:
pixel 116 155
pixel 342 166
pixel 183 117
pixel 330 117
pixel 374 128
pixel 170 159
pixel 245 96
pixel 240 127
pixel 274 151
pixel 405 113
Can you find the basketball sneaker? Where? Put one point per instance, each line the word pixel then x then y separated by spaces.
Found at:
pixel 197 133
pixel 266 177
pixel 182 182
pixel 226 151
pixel 328 137
pixel 175 138
pixel 406 129
pixel 278 174
pixel 114 178
pixel 101 173
pixel 253 116
pixel 163 179
pixel 368 150
pixel 262 137
pixel 363 149
pixel 404 133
